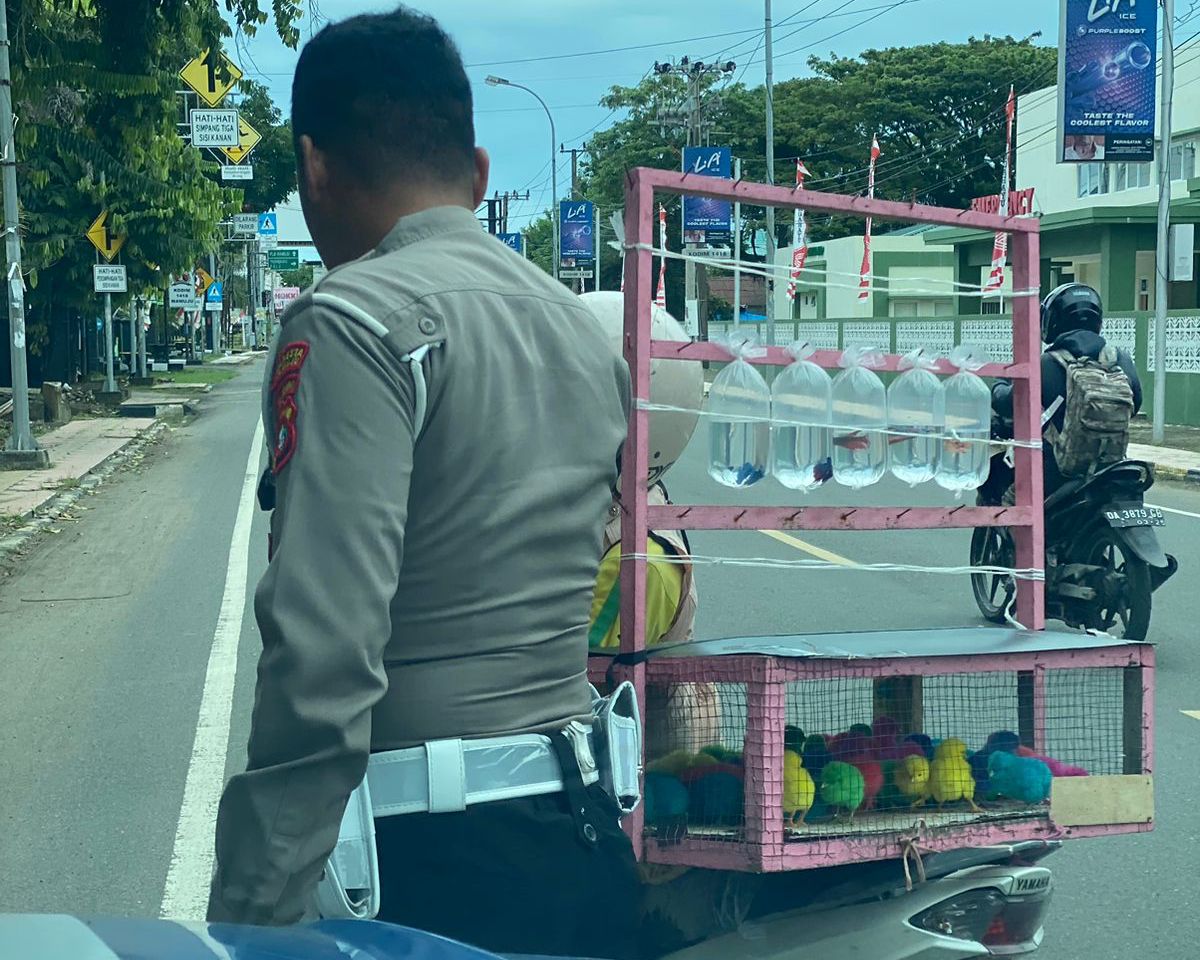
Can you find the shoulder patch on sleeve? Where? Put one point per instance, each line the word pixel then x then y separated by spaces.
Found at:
pixel 285 381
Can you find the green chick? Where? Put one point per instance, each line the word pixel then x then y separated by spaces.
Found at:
pixel 842 786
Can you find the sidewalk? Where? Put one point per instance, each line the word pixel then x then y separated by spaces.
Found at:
pixel 1169 463
pixel 76 449
pixel 236 359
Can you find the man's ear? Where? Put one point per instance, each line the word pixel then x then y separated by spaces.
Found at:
pixel 483 164
pixel 314 168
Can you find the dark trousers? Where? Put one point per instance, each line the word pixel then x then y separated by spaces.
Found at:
pixel 513 877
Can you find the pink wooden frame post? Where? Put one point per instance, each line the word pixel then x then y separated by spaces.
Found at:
pixel 635 458
pixel 1027 425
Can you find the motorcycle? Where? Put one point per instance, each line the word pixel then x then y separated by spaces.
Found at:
pixel 976 902
pixel 1103 560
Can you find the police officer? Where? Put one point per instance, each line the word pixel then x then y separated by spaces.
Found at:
pixel 444 421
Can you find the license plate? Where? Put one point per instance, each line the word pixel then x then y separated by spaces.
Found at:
pixel 1120 515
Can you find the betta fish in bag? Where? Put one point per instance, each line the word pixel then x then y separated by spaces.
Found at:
pixel 801 410
pixel 965 457
pixel 860 419
pixel 916 418
pixel 739 409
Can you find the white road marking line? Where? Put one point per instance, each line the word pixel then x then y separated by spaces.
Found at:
pixel 1182 513
pixel 1194 714
pixel 185 896
pixel 806 547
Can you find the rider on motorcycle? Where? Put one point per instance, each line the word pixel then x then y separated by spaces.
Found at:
pixel 1072 317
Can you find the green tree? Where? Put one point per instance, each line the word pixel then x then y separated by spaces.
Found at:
pixel 938 110
pixel 301 277
pixel 274 159
pixel 94 88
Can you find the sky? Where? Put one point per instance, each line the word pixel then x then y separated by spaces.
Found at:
pixel 551 46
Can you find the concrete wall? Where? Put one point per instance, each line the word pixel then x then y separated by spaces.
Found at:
pixel 904 267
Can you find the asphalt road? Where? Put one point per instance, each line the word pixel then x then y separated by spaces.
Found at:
pixel 106 631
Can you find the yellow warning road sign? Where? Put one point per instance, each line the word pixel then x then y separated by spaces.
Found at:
pixel 211 77
pixel 203 280
pixel 248 139
pixel 108 243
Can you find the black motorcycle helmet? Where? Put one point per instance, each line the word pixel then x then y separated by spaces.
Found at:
pixel 1073 306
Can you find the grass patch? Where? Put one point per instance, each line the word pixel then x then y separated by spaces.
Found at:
pixel 196 375
pixel 67 483
pixel 1175 436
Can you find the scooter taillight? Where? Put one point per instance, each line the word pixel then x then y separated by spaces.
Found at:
pixel 1015 928
pixel 1006 927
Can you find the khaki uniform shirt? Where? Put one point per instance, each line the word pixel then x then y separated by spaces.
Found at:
pixel 436 533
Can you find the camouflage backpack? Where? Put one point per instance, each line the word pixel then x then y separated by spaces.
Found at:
pixel 1099 405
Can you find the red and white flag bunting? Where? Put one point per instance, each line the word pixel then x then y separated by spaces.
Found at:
pixel 864 276
pixel 1000 247
pixel 660 298
pixel 799 236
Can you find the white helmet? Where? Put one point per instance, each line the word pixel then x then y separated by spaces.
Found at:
pixel 673 383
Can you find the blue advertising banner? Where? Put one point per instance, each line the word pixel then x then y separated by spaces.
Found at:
pixel 514 240
pixel 707 221
pixel 1106 80
pixel 575 231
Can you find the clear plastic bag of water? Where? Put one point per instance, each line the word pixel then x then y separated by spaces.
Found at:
pixel 801 411
pixel 739 406
pixel 916 418
pixel 859 419
pixel 965 457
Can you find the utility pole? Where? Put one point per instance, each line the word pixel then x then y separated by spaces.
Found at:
pixel 1162 255
pixel 770 88
pixel 214 322
pixel 21 439
pixel 697 128
pixel 737 248
pixel 574 152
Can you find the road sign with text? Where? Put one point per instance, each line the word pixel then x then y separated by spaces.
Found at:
pixel 283 259
pixel 182 296
pixel 109 278
pixel 211 77
pixel 214 128
pixel 234 171
pixel 245 224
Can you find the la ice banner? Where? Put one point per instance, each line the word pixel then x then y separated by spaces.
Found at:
pixel 576 231
pixel 707 221
pixel 1107 57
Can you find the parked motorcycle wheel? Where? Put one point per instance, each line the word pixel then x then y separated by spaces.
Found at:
pixel 1124 612
pixel 993 547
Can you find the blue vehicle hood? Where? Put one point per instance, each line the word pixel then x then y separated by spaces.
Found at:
pixel 55 937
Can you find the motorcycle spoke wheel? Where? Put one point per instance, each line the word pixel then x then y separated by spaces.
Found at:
pixel 1123 609
pixel 992 547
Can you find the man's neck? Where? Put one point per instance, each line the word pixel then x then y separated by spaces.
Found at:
pixel 372 219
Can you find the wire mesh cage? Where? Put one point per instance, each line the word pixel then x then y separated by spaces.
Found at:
pixel 789 753
pixel 802 755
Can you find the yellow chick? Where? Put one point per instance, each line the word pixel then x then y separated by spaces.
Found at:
pixel 798 788
pixel 950 775
pixel 912 778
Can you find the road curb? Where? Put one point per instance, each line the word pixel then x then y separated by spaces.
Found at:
pixel 1177 474
pixel 48 512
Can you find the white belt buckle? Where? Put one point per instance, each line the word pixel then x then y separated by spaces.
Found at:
pixel 578 735
pixel 447 776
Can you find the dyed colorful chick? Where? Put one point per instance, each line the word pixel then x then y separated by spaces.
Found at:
pixel 842 786
pixel 950 774
pixel 799 791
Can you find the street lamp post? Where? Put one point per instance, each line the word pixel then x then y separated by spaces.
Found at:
pixel 501 82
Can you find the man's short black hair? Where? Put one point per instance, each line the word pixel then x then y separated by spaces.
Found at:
pixel 385 95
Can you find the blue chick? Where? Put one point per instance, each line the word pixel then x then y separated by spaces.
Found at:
pixel 1019 778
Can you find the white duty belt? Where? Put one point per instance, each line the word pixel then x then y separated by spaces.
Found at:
pixel 447 776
